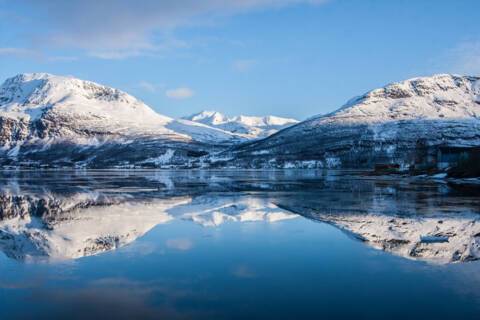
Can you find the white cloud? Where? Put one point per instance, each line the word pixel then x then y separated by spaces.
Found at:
pixel 150 87
pixel 113 29
pixel 180 93
pixel 243 65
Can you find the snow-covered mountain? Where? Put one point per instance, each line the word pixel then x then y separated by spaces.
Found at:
pixel 47 119
pixel 248 126
pixel 86 107
pixel 395 124
pixel 56 121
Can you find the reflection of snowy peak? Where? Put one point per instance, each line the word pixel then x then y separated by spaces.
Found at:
pixel 52 227
pixel 430 235
pixel 441 239
pixel 82 225
pixel 249 126
pixel 213 211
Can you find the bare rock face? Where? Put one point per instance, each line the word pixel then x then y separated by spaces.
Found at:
pixel 388 125
pixel 12 130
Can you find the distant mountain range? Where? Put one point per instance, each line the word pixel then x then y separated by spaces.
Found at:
pixel 55 121
pixel 247 126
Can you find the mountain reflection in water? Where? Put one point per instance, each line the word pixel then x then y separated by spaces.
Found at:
pixel 61 215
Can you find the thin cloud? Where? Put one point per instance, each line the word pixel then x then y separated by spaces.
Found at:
pixel 464 59
pixel 22 52
pixel 30 53
pixel 150 87
pixel 113 29
pixel 243 65
pixel 180 93
pixel 62 58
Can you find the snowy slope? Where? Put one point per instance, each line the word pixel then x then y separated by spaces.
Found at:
pixel 385 125
pixel 438 97
pixel 48 120
pixel 247 126
pixel 31 96
pixel 85 105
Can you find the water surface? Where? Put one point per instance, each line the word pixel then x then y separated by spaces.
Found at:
pixel 223 245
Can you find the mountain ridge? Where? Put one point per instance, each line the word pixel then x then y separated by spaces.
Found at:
pixel 252 127
pixel 391 125
pixel 48 120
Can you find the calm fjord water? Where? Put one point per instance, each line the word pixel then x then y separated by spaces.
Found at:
pixel 235 245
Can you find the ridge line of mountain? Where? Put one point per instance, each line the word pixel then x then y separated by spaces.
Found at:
pixel 55 121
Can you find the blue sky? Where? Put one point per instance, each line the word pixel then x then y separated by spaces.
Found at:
pixel 293 58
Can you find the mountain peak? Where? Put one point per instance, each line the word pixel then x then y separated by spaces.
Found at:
pixel 441 96
pixel 46 106
pixel 250 126
pixel 29 95
pixel 208 117
pixel 404 124
pixel 45 86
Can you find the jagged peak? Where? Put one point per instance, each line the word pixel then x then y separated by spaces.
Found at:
pixel 208 117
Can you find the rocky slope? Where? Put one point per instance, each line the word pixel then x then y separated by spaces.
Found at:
pixel 390 125
pixel 62 121
pixel 249 127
